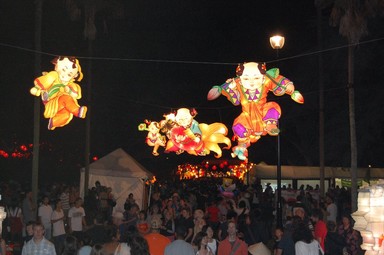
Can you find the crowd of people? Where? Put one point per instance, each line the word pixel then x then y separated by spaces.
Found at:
pixel 187 217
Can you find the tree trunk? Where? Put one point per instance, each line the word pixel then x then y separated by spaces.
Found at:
pixel 352 127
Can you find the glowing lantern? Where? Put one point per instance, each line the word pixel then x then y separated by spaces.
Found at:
pixel 369 218
pixel 60 93
pixel 182 133
pixel 250 89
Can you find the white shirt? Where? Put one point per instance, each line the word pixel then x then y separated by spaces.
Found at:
pixel 332 211
pixel 58 226
pixel 302 248
pixel 45 213
pixel 76 217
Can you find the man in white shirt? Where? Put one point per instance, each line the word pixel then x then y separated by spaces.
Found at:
pixel 44 214
pixel 76 219
pixel 331 209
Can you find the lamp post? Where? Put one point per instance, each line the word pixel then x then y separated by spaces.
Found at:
pixel 277 43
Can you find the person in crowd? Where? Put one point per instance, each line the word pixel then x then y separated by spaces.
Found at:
pixel 156 241
pixel 201 241
pixel 38 244
pixel 113 242
pixel 71 245
pixel 179 244
pixel 249 230
pixel 331 209
pixel 64 197
pixel 300 212
pixel 231 216
pixel 45 214
pixel 131 214
pixel 15 221
pixel 154 211
pixel 76 219
pixel 198 221
pixel 57 220
pixel 135 244
pixel 320 227
pixel 3 246
pixel 86 247
pixel 334 243
pixel 305 243
pixel 28 208
pixel 28 231
pixel 97 249
pixel 212 243
pixel 129 202
pixel 168 226
pixel 212 213
pixel 142 223
pixel 284 242
pixel 232 245
pixel 351 236
pixel 98 232
pixel 187 220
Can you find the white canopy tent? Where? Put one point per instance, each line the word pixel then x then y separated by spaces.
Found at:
pixel 122 173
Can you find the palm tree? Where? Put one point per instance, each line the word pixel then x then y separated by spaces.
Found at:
pixel 351 16
pixel 108 9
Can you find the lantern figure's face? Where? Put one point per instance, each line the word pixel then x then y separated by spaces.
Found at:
pixel 183 117
pixel 153 128
pixel 67 70
pixel 251 78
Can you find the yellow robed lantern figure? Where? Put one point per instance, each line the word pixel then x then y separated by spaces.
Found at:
pixel 59 92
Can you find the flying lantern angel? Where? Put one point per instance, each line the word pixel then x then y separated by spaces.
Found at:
pixel 60 93
pixel 250 89
pixel 184 133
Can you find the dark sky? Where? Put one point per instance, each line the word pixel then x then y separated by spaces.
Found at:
pixel 164 55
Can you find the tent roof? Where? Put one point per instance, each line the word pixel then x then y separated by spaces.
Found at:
pixel 120 164
pixel 263 170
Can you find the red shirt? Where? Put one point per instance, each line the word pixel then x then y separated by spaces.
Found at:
pixel 225 247
pixel 321 232
pixel 213 213
pixel 156 243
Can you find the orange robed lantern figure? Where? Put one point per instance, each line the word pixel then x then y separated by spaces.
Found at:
pixel 249 89
pixel 60 93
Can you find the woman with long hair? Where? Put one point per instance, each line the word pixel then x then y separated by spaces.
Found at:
pixel 201 241
pixel 212 243
pixel 305 243
pixel 351 237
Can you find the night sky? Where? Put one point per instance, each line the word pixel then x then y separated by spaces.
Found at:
pixel 163 55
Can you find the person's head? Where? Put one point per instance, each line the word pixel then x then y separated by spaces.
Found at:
pixel 232 229
pixel 302 233
pixel 134 209
pixel 78 202
pixel 185 212
pixel 142 215
pixel 45 200
pixel 155 209
pixel 38 231
pixel 29 228
pixel 99 219
pixel 329 199
pixel 168 214
pixel 279 231
pixel 299 211
pixel 201 239
pixel 331 226
pixel 130 196
pixel 316 215
pixel 180 232
pixel 209 230
pixel 97 184
pixel 70 245
pixel 58 204
pixel 346 220
pixel 198 214
pixel 97 249
pixel 117 218
pixel 138 245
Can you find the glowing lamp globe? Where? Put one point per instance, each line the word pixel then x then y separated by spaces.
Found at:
pixel 277 42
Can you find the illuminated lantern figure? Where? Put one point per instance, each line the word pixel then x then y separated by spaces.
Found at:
pixel 250 89
pixel 60 93
pixel 154 138
pixel 186 134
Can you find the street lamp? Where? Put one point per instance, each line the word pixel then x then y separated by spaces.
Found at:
pixel 277 43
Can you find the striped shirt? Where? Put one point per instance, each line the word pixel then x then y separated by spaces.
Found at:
pixel 44 247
